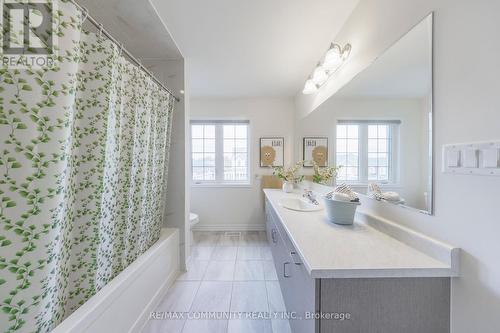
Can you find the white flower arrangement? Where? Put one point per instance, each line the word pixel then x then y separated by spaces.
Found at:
pixel 289 175
pixel 324 175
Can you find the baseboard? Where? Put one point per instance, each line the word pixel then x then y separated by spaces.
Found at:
pixel 153 304
pixel 230 227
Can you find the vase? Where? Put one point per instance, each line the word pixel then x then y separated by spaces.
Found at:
pixel 287 187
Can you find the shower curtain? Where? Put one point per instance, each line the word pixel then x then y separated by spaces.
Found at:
pixel 83 159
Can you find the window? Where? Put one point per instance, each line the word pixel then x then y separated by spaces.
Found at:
pixel 203 152
pixel 220 152
pixel 366 150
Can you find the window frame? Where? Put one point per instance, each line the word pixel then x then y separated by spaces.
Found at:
pixel 219 154
pixel 363 142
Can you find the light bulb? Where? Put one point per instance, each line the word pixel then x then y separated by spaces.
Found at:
pixel 310 87
pixel 319 76
pixel 333 58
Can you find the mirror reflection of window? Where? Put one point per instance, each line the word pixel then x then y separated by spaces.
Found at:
pixel 379 152
pixel 348 152
pixel 366 150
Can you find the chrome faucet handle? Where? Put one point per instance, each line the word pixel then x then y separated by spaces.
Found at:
pixel 310 195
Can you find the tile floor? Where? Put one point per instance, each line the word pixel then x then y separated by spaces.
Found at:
pixel 227 273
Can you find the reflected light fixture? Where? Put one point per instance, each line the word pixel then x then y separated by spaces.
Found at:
pixel 319 75
pixel 333 60
pixel 310 87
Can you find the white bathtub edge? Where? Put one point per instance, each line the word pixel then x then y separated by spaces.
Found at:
pixel 141 322
pixel 91 314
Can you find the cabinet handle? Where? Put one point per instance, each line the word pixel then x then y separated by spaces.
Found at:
pixel 284 270
pixel 296 262
pixel 273 235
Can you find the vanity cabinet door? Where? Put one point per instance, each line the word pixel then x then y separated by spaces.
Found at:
pixel 271 228
pixel 297 287
pixel 299 290
pixel 274 240
pixel 387 305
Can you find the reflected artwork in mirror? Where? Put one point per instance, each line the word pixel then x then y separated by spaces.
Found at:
pixel 381 124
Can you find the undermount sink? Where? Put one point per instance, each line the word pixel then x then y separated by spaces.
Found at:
pixel 299 204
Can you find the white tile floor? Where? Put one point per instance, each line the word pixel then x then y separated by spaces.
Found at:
pixel 226 274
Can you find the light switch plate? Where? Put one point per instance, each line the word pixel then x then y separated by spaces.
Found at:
pixel 490 158
pixel 478 158
pixel 453 158
pixel 470 158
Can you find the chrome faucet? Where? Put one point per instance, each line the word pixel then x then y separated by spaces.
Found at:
pixel 311 197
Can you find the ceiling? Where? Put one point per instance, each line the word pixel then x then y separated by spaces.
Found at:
pixel 251 48
pixel 135 24
pixel 403 71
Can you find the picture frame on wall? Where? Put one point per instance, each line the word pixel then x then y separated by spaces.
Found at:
pixel 272 151
pixel 315 149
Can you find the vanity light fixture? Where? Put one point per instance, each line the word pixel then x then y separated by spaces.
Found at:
pixel 333 60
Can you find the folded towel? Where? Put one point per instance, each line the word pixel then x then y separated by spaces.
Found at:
pixel 374 191
pixel 341 197
pixel 391 196
pixel 343 193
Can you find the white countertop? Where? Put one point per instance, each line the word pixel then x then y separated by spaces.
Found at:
pixel 358 251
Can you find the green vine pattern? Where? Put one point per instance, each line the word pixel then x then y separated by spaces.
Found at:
pixel 83 168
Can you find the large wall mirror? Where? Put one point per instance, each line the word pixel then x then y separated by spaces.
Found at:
pixel 381 124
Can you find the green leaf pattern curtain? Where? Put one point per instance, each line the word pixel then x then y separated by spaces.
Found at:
pixel 83 159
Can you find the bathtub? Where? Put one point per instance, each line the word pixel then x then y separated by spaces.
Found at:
pixel 125 303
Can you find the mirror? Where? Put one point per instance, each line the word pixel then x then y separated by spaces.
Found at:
pixel 380 124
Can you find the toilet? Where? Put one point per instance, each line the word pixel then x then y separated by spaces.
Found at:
pixel 194 219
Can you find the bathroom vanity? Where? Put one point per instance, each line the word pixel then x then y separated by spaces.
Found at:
pixel 374 276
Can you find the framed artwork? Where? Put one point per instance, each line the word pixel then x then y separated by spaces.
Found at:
pixel 272 151
pixel 315 149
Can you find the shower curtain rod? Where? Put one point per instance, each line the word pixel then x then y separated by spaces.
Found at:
pixel 98 25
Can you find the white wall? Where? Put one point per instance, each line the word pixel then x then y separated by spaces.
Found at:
pixel 467 108
pixel 241 208
pixel 322 122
